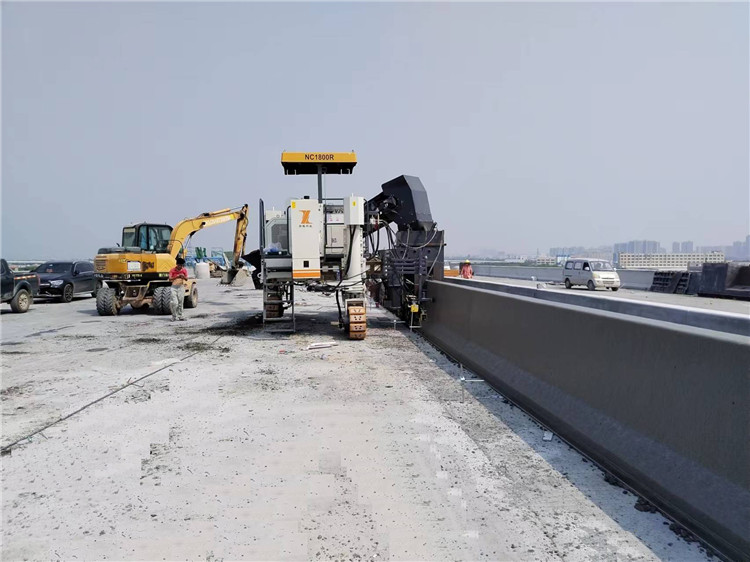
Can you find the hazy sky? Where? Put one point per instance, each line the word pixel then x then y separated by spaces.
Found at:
pixel 531 125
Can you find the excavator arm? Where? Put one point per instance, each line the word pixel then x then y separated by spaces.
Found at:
pixel 186 228
pixel 240 234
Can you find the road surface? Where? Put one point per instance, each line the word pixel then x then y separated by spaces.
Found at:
pixel 234 443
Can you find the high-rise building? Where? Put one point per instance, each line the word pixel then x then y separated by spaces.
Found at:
pixel 686 247
pixel 675 247
pixel 667 261
pixel 739 250
pixel 638 247
pixel 567 251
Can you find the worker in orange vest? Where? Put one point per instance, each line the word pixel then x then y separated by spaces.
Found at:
pixel 466 272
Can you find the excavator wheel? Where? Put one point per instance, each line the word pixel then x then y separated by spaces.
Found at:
pixel 161 300
pixel 106 302
pixel 191 301
pixel 357 322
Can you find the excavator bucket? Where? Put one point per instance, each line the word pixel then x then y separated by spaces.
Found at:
pixel 235 277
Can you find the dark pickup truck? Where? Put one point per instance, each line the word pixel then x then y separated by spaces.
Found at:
pixel 19 289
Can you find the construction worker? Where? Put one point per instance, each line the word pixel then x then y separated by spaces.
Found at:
pixel 178 276
pixel 466 271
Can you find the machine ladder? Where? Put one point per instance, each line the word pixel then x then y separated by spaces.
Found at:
pixel 275 302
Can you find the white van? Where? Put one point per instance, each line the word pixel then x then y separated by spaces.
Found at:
pixel 591 273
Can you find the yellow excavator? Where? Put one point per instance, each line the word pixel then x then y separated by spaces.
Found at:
pixel 137 271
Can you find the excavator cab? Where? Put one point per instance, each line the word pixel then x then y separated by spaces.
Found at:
pixel 148 237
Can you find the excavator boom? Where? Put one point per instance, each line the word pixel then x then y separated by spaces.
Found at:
pixel 188 227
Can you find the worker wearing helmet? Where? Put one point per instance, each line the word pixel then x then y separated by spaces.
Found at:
pixel 465 270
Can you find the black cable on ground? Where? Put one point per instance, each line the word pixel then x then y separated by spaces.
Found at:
pixel 7 448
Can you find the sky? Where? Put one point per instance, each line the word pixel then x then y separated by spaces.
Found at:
pixel 531 125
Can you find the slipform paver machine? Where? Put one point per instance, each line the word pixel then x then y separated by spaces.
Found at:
pixel 347 246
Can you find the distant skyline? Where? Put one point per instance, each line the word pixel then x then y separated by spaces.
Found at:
pixel 531 125
pixel 735 249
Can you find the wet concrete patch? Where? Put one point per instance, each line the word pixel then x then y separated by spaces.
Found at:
pixel 237 328
pixel 13 390
pixel 52 331
pixel 200 346
pixel 78 336
pixel 140 395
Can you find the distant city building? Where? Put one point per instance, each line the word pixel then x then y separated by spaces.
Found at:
pixel 638 247
pixel 739 250
pixel 675 247
pixel 635 247
pixel 651 247
pixel 545 260
pixel 599 253
pixel 709 249
pixel 515 259
pixel 566 250
pixel 667 261
pixel 686 247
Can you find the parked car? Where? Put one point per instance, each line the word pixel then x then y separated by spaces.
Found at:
pixel 63 279
pixel 591 273
pixel 19 289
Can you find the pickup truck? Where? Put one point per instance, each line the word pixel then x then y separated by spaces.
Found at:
pixel 19 289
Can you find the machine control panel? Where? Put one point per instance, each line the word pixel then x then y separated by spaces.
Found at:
pixel 305 224
pixel 354 210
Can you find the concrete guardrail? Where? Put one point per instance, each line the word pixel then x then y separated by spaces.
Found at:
pixel 699 318
pixel 665 408
pixel 630 278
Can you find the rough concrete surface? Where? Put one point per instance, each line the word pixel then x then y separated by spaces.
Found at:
pixel 247 445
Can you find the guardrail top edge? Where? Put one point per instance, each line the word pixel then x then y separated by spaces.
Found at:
pixel 636 320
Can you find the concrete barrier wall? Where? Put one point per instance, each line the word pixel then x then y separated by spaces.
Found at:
pixel 699 318
pixel 665 408
pixel 519 272
pixel 630 278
